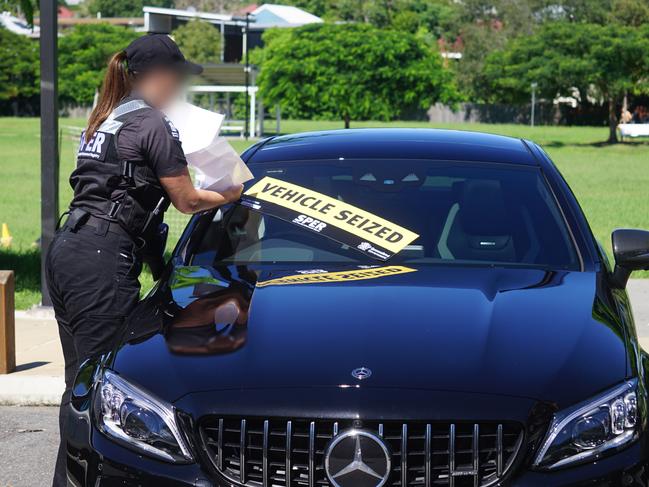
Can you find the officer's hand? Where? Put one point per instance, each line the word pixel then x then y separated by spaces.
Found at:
pixel 233 193
pixel 189 200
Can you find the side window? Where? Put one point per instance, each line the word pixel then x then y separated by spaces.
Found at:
pixel 229 232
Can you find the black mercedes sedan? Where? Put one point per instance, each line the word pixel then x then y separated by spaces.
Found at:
pixel 381 308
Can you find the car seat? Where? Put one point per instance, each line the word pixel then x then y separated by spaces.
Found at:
pixel 478 226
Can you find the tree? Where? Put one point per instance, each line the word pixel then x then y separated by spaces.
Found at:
pixel 487 25
pixel 199 41
pixel 630 12
pixel 83 56
pixel 321 8
pixel 589 11
pixel 24 7
pixel 479 40
pixel 124 8
pixel 564 59
pixel 435 16
pixel 352 72
pixel 19 68
pixel 620 60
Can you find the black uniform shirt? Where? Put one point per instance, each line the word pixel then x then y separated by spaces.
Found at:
pixel 151 138
pixel 149 141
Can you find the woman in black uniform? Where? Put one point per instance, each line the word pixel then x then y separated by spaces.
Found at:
pixel 130 167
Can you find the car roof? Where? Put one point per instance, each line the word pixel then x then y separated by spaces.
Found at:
pixel 435 144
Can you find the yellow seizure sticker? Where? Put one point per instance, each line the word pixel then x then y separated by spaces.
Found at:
pixel 333 218
pixel 338 276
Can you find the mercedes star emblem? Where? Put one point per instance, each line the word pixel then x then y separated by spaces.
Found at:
pixel 357 458
pixel 361 373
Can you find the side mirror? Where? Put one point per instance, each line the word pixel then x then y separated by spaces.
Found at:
pixel 631 251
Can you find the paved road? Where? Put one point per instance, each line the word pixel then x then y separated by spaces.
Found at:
pixel 28 442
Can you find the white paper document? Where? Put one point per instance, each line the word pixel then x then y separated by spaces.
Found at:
pixel 217 164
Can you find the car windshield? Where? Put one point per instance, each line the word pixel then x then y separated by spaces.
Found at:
pixel 463 213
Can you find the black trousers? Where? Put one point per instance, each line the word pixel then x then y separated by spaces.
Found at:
pixel 93 282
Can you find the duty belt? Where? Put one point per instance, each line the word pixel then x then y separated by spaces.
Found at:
pixel 78 219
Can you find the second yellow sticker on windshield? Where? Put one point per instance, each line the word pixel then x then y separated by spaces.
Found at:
pixel 348 224
pixel 337 276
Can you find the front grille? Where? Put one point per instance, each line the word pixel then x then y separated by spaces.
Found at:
pixel 290 453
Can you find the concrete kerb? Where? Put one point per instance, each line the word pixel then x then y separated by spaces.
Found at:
pixel 31 390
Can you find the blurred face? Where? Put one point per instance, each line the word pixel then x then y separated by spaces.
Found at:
pixel 159 87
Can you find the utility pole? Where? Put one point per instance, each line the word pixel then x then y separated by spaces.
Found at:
pixel 534 86
pixel 49 133
pixel 247 74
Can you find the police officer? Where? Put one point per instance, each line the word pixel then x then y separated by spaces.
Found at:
pixel 130 167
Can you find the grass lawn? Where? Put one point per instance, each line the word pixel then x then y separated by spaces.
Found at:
pixel 611 182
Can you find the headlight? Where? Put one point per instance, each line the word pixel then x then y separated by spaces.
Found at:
pixel 587 430
pixel 133 417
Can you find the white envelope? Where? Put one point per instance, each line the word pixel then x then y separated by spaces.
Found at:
pixel 217 164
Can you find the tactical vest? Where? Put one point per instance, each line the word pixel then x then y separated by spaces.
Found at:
pixel 114 189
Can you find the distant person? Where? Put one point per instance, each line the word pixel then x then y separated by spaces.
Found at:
pixel 640 114
pixel 626 116
pixel 130 167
